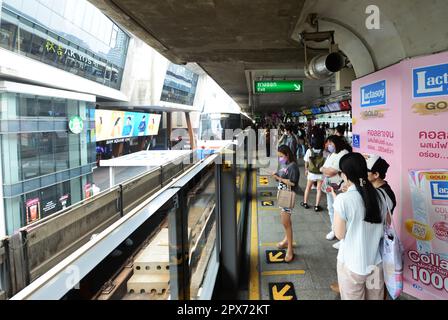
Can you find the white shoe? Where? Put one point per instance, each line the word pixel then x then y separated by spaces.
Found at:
pixel 337 245
pixel 330 235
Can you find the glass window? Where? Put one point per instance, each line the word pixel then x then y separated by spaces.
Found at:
pixel 45 107
pixel 37 47
pixel 43 41
pixel 27 106
pixel 8 32
pixel 61 151
pixel 25 39
pixel 29 155
pixel 46 153
pixel 60 108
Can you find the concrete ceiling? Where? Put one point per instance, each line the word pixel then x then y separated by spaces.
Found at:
pixel 239 41
pixel 229 39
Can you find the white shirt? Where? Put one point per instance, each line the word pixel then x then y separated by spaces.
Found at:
pixel 359 250
pixel 333 160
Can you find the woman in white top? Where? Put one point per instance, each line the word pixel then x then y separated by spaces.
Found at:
pixel 314 159
pixel 336 147
pixel 358 222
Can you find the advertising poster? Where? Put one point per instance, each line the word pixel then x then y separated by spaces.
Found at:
pixel 111 125
pixel 64 201
pixel 32 210
pixel 401 114
pixel 425 176
pixel 153 126
pixel 88 190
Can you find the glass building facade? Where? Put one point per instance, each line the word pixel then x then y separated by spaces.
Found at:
pixel 180 85
pixel 45 167
pixel 71 35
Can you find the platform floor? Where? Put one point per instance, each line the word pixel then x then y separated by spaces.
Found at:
pixel 309 275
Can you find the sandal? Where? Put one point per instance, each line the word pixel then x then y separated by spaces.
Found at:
pixel 305 205
pixel 282 245
pixel 289 260
pixel 317 208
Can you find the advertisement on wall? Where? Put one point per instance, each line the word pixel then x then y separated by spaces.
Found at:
pixel 111 125
pixel 406 124
pixel 32 210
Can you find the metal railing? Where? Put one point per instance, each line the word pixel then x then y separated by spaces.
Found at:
pixel 40 246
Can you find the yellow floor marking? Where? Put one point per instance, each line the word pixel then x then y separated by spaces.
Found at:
pixel 281 273
pixel 274 244
pixel 254 282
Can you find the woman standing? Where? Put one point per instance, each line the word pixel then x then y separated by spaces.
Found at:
pixel 358 222
pixel 288 177
pixel 314 160
pixel 336 148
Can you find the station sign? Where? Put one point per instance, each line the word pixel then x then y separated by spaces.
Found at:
pixel 278 86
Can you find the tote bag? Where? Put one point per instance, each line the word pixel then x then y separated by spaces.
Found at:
pixel 286 198
pixel 391 251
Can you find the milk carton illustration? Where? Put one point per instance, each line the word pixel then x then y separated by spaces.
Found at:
pixel 429 192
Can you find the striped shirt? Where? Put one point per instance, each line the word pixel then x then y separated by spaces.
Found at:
pixel 360 249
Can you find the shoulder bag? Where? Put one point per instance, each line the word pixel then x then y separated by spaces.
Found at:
pixel 391 251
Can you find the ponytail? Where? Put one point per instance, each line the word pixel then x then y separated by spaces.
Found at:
pixel 354 166
pixel 371 201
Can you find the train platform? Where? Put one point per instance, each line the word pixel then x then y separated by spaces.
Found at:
pixel 313 270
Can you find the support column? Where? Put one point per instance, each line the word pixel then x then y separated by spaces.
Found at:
pixel 168 128
pixel 190 131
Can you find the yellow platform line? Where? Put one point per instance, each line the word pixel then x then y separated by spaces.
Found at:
pixel 254 280
pixel 274 244
pixel 282 273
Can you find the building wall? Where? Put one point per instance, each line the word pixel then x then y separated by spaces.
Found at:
pixel 40 158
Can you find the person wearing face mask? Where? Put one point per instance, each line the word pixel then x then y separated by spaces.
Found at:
pixel 336 148
pixel 288 177
pixel 289 139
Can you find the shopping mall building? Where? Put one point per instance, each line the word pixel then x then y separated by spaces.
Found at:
pixel 59 62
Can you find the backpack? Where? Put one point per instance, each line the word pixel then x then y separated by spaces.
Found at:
pixel 316 162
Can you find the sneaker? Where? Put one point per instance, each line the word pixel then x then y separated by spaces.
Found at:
pixel 337 245
pixel 330 236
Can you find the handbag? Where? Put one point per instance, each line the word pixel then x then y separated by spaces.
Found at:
pixel 391 251
pixel 286 198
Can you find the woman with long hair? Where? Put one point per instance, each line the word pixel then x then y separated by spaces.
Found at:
pixel 288 177
pixel 358 222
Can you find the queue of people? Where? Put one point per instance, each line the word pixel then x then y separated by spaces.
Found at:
pixel 356 208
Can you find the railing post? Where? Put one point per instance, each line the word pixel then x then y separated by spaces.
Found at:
pixel 178 249
pixel 229 243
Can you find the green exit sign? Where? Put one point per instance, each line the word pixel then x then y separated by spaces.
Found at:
pixel 278 86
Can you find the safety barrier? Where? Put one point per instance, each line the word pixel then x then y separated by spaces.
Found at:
pixel 38 247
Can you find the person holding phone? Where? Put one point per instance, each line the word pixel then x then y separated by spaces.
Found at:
pixel 337 149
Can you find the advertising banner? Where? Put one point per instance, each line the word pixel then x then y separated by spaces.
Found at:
pixel 111 125
pixel 401 114
pixel 32 207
